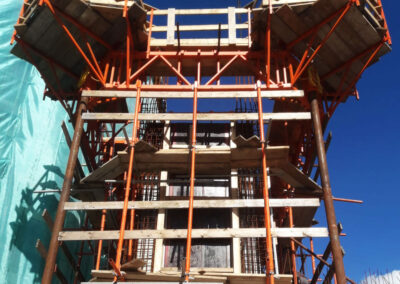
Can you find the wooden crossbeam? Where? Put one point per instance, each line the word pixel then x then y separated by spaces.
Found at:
pixel 199 42
pixel 289 2
pixel 200 116
pixel 207 275
pixel 196 234
pixel 186 28
pixel 200 11
pixel 179 204
pixel 189 94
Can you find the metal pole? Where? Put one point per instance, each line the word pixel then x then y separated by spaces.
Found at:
pixel 128 179
pixel 292 248
pixel 64 196
pixel 312 255
pixel 269 259
pixel 192 180
pixel 326 187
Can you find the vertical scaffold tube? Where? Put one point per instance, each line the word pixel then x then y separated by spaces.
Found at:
pixel 268 44
pixel 326 187
pixel 269 261
pixel 103 218
pixel 191 192
pixel 64 196
pixel 100 244
pixel 128 178
pixel 292 248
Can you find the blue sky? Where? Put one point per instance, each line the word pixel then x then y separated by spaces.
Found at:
pixel 363 158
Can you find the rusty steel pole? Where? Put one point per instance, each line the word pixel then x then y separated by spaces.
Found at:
pixel 64 196
pixel 327 192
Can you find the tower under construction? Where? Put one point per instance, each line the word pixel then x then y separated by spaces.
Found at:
pixel 199 146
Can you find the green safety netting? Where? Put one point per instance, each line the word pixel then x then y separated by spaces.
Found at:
pixel 33 156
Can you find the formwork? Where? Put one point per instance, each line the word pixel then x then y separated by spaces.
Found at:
pixel 177 190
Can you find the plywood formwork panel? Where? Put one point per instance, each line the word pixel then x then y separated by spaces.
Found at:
pixel 175 160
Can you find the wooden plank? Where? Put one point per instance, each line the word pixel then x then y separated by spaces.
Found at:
pixel 210 156
pixel 297 178
pixel 189 94
pixel 119 4
pixel 144 147
pixel 158 259
pixel 170 281
pixel 110 169
pixel 198 42
pixel 236 253
pixel 205 276
pixel 187 28
pixel 162 277
pixel 265 3
pixel 200 116
pixel 196 234
pixel 200 270
pixel 231 25
pixel 259 279
pixel 199 11
pixel 179 204
pixel 158 244
pixel 170 27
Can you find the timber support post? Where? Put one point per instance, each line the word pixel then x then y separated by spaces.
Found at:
pixel 327 192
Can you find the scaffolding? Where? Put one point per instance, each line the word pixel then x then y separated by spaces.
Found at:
pixel 200 195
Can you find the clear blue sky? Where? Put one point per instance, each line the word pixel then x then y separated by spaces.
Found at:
pixel 363 158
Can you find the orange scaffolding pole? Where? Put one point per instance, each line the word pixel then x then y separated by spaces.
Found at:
pixel 191 192
pixel 312 256
pixel 74 41
pixel 128 180
pixel 301 68
pixel 103 220
pixel 269 261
